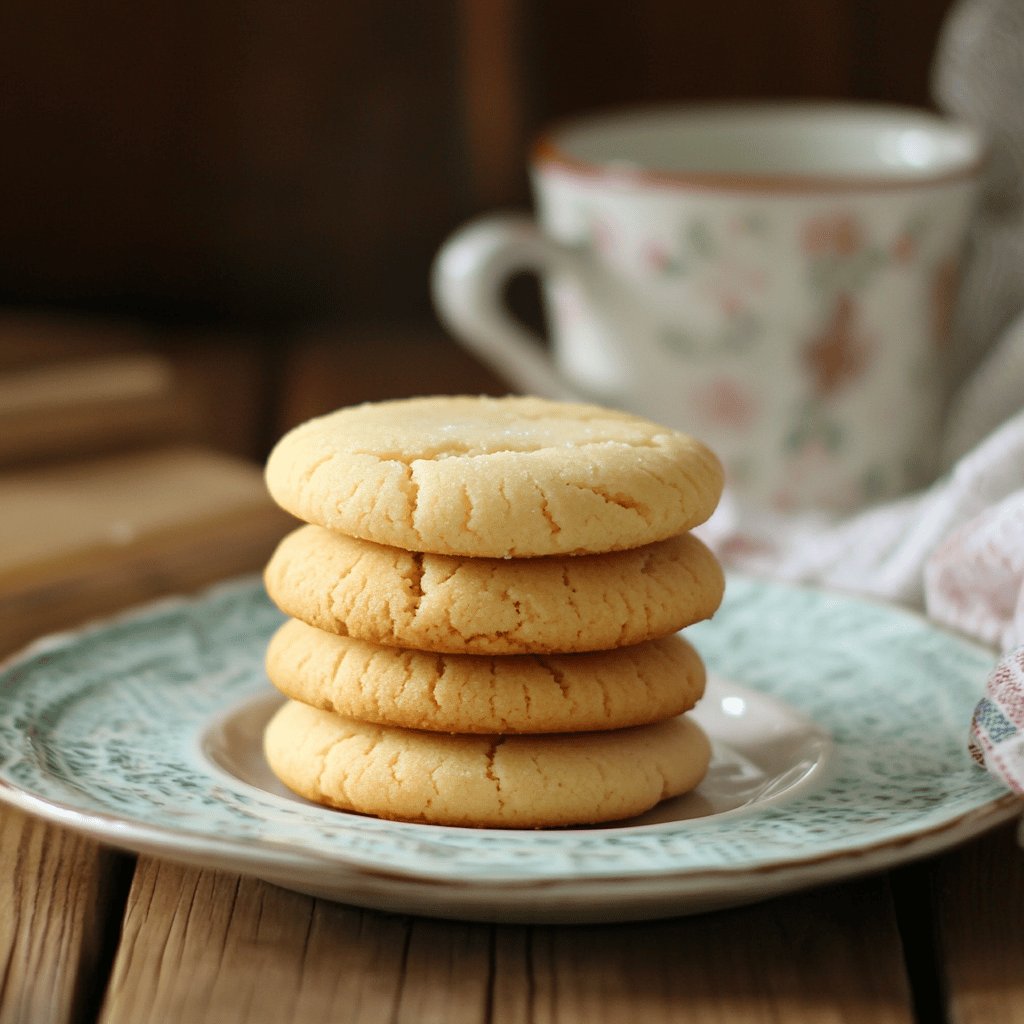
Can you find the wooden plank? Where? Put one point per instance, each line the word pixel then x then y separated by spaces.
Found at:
pixel 447 974
pixel 658 51
pixel 60 909
pixel 494 96
pixel 225 386
pixel 979 906
pixel 32 339
pixel 143 525
pixel 87 406
pixel 203 946
pixel 248 161
pixel 655 51
pixel 78 387
pixel 829 955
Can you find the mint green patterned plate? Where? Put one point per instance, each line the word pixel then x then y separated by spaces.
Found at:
pixel 839 734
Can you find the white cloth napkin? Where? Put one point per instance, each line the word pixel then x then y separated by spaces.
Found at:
pixel 956 550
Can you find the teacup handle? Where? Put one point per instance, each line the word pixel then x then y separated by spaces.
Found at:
pixel 468 279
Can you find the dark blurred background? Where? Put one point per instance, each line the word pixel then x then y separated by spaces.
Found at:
pixel 257 189
pixel 217 220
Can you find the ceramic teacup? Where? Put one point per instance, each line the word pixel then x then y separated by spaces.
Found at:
pixel 776 279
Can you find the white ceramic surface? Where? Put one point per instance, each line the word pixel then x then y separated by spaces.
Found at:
pixel 838 728
pixel 777 280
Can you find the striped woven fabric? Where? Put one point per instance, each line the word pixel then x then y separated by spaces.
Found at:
pixel 997 729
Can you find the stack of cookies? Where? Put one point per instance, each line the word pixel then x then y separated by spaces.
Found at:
pixel 484 611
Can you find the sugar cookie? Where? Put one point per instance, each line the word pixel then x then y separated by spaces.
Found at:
pixel 468 693
pixel 483 781
pixel 493 605
pixel 494 477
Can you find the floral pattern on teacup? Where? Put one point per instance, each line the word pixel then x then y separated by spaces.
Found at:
pixel 843 258
pixel 727 402
pixel 658 259
pixel 722 250
pixel 707 279
pixel 722 273
pixel 838 355
pixel 832 234
pixel 845 264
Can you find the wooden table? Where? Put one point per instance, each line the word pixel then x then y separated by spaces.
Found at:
pixel 88 934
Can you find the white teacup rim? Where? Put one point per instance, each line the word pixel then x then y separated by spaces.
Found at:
pixel 795 145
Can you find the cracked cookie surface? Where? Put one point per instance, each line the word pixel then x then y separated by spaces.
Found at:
pixel 455 604
pixel 494 477
pixel 466 693
pixel 483 781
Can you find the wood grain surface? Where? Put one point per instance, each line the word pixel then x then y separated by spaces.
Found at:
pixel 979 906
pixel 61 899
pixel 83 539
pixel 276 165
pixel 203 946
pixel 197 946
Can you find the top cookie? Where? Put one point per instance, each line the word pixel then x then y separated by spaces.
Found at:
pixel 494 477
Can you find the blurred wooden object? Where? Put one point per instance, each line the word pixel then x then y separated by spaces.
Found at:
pixel 979 899
pixel 274 165
pixel 225 388
pixel 32 338
pixel 72 386
pixel 653 51
pixel 82 539
pixel 495 93
pixel 254 162
pixel 87 405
